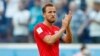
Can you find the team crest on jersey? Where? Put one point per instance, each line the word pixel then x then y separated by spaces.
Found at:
pixel 39 30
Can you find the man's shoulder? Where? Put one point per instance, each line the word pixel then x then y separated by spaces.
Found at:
pixel 39 28
pixel 38 25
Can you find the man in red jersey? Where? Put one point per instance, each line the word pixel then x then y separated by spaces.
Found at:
pixel 47 35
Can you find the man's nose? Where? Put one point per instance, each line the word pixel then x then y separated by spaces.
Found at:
pixel 53 14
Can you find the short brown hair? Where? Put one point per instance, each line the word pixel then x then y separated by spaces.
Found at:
pixel 44 8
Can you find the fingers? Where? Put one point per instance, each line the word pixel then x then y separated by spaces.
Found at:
pixel 70 13
pixel 68 17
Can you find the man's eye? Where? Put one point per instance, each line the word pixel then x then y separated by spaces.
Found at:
pixel 54 11
pixel 50 12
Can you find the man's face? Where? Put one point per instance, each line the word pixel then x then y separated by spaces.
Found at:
pixel 50 14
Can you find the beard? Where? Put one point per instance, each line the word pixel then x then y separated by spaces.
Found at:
pixel 51 21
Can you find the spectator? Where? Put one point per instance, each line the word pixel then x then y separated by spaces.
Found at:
pixel 3 36
pixel 36 12
pixel 62 8
pixel 20 23
pixel 83 32
pixel 78 19
pixel 94 22
pixel 84 51
pixel 1 11
pixel 36 16
pixel 11 9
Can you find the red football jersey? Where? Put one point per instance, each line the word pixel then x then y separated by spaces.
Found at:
pixel 40 31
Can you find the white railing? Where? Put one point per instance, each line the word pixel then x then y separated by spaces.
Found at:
pixel 34 46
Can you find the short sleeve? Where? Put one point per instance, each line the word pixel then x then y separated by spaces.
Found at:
pixel 41 32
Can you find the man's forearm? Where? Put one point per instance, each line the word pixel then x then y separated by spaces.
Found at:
pixel 53 38
pixel 68 37
pixel 57 35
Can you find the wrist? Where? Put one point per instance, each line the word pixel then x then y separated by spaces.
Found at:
pixel 68 27
pixel 63 28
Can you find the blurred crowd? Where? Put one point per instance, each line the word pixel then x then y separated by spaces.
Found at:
pixel 19 17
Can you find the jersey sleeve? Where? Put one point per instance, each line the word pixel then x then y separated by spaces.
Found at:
pixel 41 32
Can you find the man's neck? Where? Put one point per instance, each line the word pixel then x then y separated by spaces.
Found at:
pixel 47 23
